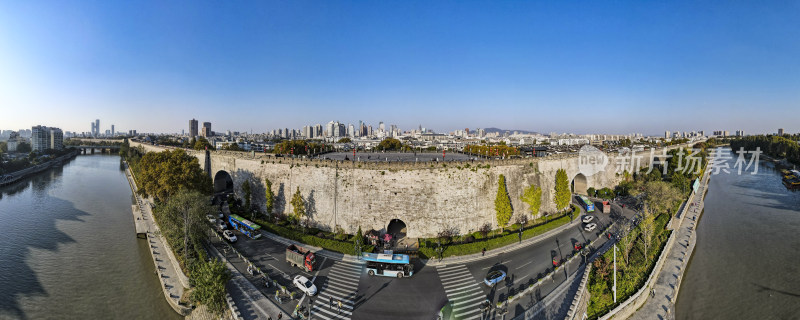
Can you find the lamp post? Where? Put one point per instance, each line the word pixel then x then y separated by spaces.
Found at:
pixel 615 274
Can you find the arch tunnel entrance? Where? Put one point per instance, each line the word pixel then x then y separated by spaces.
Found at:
pixel 397 228
pixel 579 184
pixel 223 182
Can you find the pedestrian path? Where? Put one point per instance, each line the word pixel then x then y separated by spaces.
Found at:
pixel 661 301
pixel 341 285
pixel 464 293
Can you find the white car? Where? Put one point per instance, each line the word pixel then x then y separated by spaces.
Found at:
pixel 305 285
pixel 229 235
pixel 587 218
pixel 211 219
pixel 222 225
pixel 590 227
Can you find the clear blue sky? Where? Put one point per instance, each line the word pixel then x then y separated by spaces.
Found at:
pixel 566 66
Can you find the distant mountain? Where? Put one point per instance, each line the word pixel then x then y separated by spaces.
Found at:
pixel 501 131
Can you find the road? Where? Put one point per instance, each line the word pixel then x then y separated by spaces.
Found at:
pixel 423 295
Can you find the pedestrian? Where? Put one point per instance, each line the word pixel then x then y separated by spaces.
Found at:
pixel 330 303
pixel 339 309
pixel 483 252
pixel 280 315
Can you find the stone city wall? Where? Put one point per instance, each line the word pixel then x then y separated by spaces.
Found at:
pixel 428 199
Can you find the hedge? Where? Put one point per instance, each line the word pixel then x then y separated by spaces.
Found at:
pixel 428 251
pixel 327 244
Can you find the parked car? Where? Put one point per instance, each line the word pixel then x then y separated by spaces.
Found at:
pixel 590 227
pixel 305 285
pixel 587 218
pixel 494 277
pixel 229 235
pixel 221 225
pixel 220 215
pixel 211 219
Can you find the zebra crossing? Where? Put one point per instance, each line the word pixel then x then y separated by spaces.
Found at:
pixel 464 293
pixel 341 285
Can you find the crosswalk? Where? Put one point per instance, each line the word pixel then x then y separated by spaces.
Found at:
pixel 341 285
pixel 462 290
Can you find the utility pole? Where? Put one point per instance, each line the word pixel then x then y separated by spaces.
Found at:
pixel 615 273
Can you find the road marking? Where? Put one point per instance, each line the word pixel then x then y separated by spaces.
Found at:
pixel 496 264
pixel 449 278
pixel 520 267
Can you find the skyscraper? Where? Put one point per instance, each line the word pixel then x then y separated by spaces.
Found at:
pixel 780 131
pixel 112 130
pixel 193 128
pixel 206 129
pixel 97 127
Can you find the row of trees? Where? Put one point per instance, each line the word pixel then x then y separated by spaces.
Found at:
pixel 776 146
pixel 181 190
pixel 300 147
pixel 491 151
pixel 532 196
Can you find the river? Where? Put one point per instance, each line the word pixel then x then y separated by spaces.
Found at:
pixel 746 261
pixel 69 250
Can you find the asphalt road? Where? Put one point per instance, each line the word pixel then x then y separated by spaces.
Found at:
pixel 423 295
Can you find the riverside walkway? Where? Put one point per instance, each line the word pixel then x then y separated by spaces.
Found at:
pixel 173 281
pixel 661 301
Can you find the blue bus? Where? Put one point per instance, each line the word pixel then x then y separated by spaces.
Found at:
pixel 586 203
pixel 245 226
pixel 388 264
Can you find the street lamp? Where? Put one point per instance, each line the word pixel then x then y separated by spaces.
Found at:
pixel 615 274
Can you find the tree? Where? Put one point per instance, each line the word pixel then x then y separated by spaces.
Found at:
pixel 201 144
pixel 591 191
pixel 648 228
pixel 182 221
pixel 209 285
pixel 24 147
pixel 246 190
pixel 270 196
pixel 502 203
pixel 3 146
pixel 627 238
pixel 390 144
pixel 299 205
pixel 345 140
pixel 533 197
pixel 661 197
pixel 562 193
pixel 232 147
pixel 161 174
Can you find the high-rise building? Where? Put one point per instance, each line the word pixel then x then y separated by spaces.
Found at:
pixel 780 131
pixel 381 127
pixel 207 129
pixel 666 134
pixel 96 127
pixel 351 131
pixel 43 138
pixel 193 128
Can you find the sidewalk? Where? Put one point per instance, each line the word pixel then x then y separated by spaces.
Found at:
pixel 661 301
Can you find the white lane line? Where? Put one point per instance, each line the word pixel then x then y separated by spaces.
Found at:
pixel 499 263
pixel 345 274
pixel 339 291
pixel 520 267
pixel 247 295
pixel 468 300
pixel 456 290
pixel 455 278
pixel 332 314
pixel 451 271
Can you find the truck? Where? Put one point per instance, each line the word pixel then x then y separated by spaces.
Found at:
pixel 606 207
pixel 300 257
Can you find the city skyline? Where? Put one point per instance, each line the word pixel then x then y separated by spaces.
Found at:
pixel 538 67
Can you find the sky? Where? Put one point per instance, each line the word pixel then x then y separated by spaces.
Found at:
pixel 563 66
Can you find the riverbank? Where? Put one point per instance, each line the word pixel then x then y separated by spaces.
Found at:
pixel 15 176
pixel 664 292
pixel 173 281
